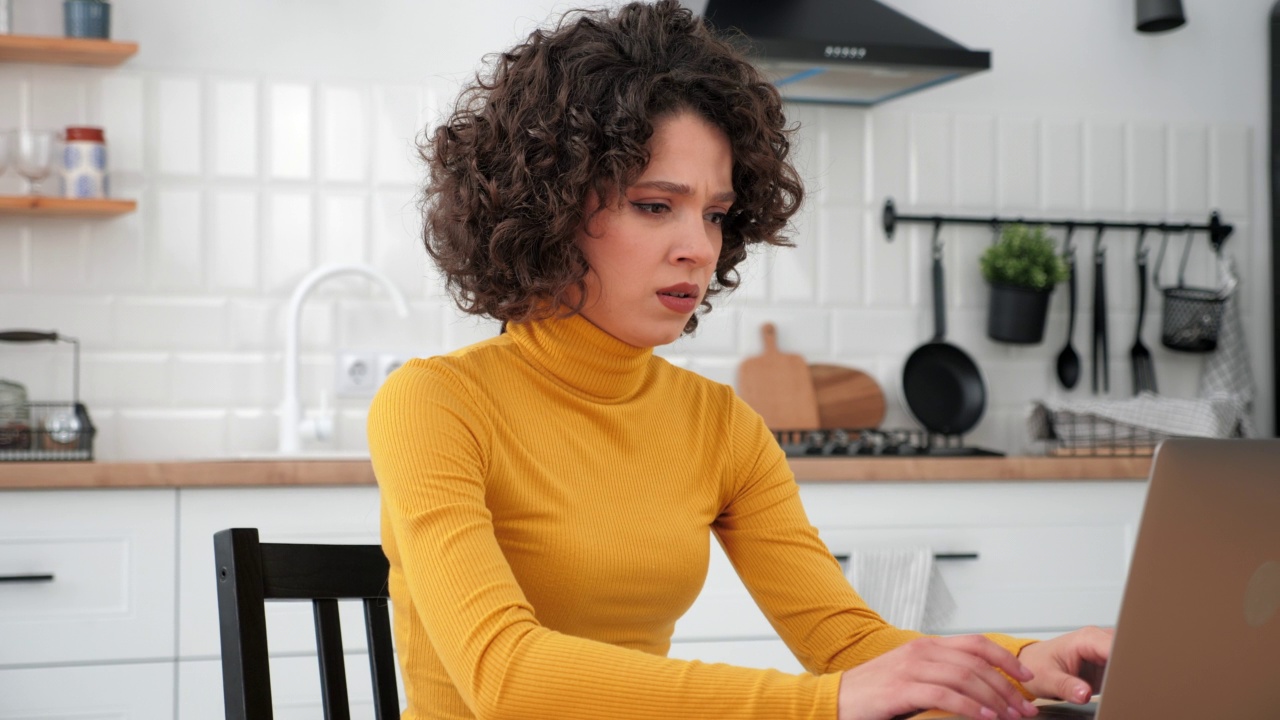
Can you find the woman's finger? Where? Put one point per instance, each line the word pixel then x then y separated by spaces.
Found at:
pixel 992 653
pixel 945 699
pixel 973 678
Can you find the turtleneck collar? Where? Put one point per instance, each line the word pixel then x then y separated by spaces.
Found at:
pixel 582 356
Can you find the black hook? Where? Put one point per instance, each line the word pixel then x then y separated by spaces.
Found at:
pixel 1140 252
pixel 937 244
pixel 889 218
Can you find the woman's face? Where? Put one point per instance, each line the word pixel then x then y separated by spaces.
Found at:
pixel 653 254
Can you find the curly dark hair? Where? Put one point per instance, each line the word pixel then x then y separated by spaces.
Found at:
pixel 566 115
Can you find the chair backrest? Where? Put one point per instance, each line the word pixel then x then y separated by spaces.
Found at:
pixel 251 573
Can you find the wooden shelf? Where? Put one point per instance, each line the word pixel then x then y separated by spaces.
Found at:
pixel 64 51
pixel 39 205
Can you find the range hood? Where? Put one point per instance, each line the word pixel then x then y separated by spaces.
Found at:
pixel 854 52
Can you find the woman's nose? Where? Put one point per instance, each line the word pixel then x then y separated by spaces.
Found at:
pixel 698 245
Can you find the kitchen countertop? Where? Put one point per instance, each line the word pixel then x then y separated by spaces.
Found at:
pixel 250 473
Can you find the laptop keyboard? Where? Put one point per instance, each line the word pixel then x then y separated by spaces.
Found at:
pixel 1067 710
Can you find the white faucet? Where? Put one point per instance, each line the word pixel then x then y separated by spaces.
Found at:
pixel 292 426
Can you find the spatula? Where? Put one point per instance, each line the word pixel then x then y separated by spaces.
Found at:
pixel 778 386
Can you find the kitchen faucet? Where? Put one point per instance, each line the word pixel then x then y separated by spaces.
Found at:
pixel 316 426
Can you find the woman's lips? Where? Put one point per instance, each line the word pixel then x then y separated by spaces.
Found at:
pixel 681 298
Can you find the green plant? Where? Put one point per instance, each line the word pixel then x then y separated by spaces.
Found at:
pixel 1023 256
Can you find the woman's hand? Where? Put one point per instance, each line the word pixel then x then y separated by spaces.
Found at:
pixel 1068 667
pixel 955 674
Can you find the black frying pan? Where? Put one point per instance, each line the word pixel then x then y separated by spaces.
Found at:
pixel 942 385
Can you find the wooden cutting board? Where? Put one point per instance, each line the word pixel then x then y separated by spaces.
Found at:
pixel 847 399
pixel 778 386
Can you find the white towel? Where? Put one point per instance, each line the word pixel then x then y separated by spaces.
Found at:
pixel 903 585
pixel 1227 376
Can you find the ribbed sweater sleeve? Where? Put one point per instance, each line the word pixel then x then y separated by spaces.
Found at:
pixel 431 442
pixel 787 568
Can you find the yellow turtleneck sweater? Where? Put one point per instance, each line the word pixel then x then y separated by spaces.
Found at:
pixel 548 498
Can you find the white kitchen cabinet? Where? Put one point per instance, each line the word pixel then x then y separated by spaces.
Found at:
pixel 133 691
pixel 295 688
pixel 1051 557
pixel 133 565
pixel 111 557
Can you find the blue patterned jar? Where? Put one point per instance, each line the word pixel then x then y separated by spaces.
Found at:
pixel 84 163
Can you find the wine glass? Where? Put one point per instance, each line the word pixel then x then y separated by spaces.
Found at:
pixel 5 145
pixel 35 156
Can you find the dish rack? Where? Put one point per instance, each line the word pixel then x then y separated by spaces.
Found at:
pixel 1072 434
pixel 46 431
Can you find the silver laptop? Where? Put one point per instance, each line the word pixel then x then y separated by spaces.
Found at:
pixel 1199 628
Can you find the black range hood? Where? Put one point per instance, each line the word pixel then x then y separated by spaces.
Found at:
pixel 854 52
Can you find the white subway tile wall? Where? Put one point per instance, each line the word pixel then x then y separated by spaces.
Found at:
pixel 247 183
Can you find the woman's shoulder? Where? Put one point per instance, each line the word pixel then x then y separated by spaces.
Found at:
pixel 451 372
pixel 696 386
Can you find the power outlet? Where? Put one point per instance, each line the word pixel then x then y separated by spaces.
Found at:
pixel 388 363
pixel 357 374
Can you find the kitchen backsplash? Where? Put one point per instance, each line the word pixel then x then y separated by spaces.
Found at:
pixel 246 183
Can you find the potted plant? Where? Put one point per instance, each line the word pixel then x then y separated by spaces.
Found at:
pixel 1022 268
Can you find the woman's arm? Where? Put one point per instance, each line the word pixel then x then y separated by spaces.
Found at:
pixel 800 588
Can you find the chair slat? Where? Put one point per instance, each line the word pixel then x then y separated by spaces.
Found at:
pixel 382 662
pixel 305 572
pixel 333 670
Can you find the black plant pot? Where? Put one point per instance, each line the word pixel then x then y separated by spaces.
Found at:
pixel 1017 314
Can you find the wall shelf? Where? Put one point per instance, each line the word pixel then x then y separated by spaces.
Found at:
pixel 39 205
pixel 64 51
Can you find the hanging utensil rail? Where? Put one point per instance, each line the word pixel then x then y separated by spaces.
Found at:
pixel 1218 231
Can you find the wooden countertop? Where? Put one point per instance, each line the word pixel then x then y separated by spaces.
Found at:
pixel 249 473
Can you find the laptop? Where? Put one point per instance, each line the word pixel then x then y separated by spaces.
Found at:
pixel 1199 629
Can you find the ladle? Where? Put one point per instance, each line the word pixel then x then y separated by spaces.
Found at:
pixel 1069 359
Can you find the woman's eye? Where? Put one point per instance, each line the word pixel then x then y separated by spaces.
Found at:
pixel 716 218
pixel 650 208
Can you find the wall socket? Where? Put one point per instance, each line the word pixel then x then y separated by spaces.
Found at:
pixel 361 372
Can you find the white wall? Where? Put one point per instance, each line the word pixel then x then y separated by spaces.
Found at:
pixel 265 138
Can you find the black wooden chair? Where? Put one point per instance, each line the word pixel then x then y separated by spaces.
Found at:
pixel 251 573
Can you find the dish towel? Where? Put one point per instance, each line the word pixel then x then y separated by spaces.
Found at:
pixel 903 585
pixel 1226 376
pixel 1098 422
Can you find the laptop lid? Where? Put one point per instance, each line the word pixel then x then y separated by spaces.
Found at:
pixel 1199 629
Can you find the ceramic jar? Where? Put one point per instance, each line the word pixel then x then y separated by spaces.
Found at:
pixel 84 163
pixel 86 19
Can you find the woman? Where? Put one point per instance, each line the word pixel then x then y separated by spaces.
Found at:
pixel 549 494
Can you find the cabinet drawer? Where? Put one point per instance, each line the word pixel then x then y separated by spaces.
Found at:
pixel 295 688
pixel 142 691
pixel 303 514
pixel 100 569
pixel 1014 578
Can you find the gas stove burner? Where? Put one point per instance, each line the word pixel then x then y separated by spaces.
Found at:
pixel 874 442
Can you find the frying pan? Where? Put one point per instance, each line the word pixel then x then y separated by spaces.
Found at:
pixel 943 388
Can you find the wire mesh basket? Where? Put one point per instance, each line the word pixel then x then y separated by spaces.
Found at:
pixel 52 431
pixel 42 431
pixel 1192 318
pixel 1072 434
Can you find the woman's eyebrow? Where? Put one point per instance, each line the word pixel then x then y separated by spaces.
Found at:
pixel 682 189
